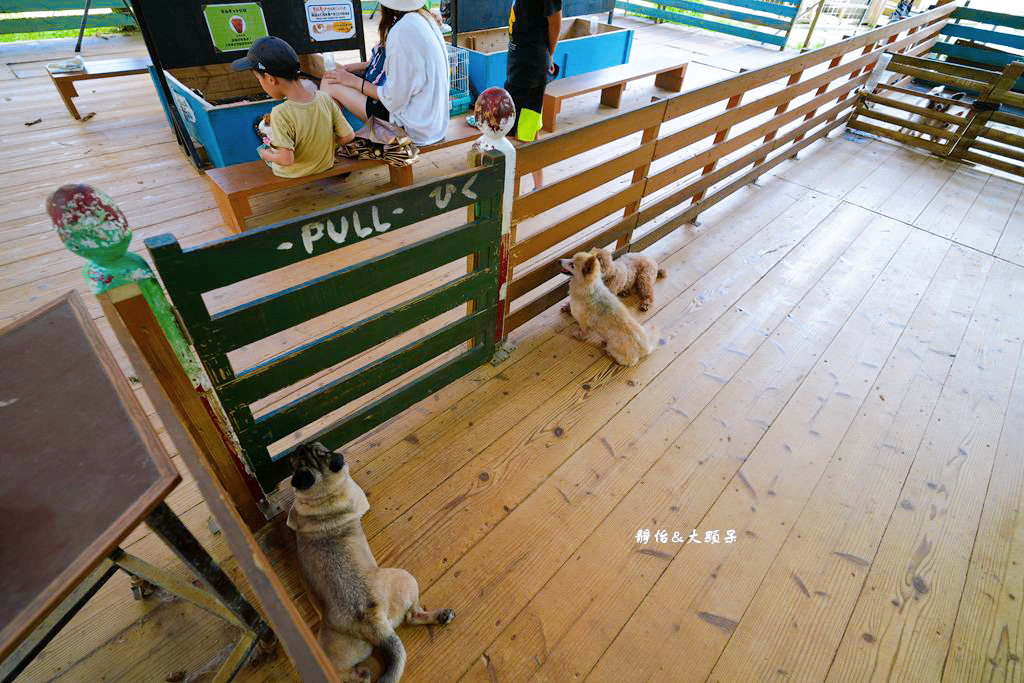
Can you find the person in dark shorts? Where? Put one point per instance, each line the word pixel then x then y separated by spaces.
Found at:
pixel 533 26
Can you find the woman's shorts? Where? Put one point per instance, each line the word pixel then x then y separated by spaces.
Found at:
pixel 376 108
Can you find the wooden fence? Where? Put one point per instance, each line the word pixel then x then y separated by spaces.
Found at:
pixel 753 19
pixel 979 38
pixel 190 273
pixel 120 17
pixel 979 133
pixel 647 173
pixel 747 124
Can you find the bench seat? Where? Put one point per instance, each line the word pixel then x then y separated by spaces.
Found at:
pixel 612 82
pixel 232 186
pixel 100 68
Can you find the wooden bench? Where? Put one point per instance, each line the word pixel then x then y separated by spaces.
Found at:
pixel 611 82
pixel 232 186
pixel 104 68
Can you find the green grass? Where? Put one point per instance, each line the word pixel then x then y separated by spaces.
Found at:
pixel 66 33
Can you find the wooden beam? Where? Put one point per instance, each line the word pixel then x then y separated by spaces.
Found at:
pixel 302 647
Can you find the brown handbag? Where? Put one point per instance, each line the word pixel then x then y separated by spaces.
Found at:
pixel 381 140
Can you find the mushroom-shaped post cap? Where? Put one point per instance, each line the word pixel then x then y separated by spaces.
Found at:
pixel 91 225
pixel 495 113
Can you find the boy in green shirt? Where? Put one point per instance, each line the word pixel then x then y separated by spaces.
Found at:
pixel 307 126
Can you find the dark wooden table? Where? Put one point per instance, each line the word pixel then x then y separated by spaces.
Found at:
pixel 83 466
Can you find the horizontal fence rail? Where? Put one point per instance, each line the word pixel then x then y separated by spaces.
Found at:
pixel 979 38
pixel 189 274
pixel 677 157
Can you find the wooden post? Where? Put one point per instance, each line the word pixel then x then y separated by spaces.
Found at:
pixel 814 23
pixel 650 135
pixel 984 107
pixel 842 98
pixel 820 91
pixel 720 136
pixel 495 115
pixel 91 225
pixel 781 109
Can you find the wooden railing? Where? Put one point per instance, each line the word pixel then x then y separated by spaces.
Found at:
pixel 675 158
pixel 751 19
pixel 979 38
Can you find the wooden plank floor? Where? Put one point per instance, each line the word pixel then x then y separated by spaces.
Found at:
pixel 838 385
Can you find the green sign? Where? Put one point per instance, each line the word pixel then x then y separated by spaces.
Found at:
pixel 235 27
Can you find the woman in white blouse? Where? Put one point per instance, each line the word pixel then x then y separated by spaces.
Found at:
pixel 415 91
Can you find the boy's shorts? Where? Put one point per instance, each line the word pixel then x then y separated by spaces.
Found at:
pixel 527 78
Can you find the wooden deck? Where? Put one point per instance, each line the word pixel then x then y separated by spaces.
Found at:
pixel 838 385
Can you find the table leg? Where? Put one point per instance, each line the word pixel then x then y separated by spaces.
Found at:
pixel 171 531
pixel 66 90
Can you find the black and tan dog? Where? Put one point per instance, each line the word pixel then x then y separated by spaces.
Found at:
pixel 360 604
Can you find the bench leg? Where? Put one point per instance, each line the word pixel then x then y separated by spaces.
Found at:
pixel 671 80
pixel 233 209
pixel 549 113
pixel 66 90
pixel 401 176
pixel 612 95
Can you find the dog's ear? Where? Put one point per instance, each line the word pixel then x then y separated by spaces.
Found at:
pixel 589 265
pixel 303 479
pixel 958 96
pixel 337 461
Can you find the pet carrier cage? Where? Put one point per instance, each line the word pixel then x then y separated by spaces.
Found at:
pixel 458 91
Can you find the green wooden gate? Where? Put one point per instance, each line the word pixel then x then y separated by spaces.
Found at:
pixel 188 274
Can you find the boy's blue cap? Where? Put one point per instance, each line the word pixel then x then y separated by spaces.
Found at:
pixel 270 55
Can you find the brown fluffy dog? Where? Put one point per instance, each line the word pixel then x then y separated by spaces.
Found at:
pixel 360 604
pixel 630 272
pixel 600 314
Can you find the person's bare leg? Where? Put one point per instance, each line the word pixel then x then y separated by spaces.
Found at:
pixel 538 175
pixel 347 97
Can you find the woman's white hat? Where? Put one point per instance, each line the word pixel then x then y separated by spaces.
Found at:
pixel 404 5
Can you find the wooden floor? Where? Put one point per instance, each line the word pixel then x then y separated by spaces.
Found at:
pixel 838 387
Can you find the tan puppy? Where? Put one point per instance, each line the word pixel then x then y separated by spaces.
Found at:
pixel 942 107
pixel 360 604
pixel 600 314
pixel 629 272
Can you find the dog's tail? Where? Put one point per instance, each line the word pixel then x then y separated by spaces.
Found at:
pixel 653 338
pixel 661 273
pixel 392 656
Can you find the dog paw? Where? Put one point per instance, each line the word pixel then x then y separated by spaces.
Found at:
pixel 446 616
pixel 566 308
pixel 360 674
pixel 645 305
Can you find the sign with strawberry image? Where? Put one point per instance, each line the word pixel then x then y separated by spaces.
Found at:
pixel 234 27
